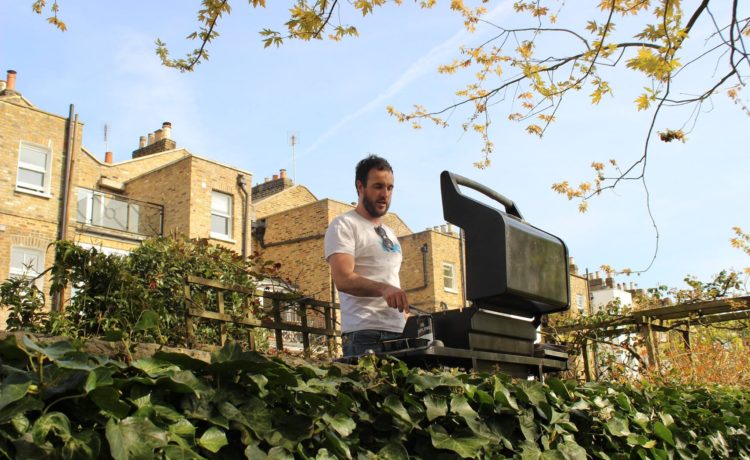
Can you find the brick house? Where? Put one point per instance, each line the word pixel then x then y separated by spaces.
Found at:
pixel 54 188
pixel 289 226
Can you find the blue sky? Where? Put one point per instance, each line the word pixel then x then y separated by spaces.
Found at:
pixel 240 106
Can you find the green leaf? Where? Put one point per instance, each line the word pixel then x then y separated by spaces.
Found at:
pixel 82 446
pixel 534 392
pixel 461 407
pixel 528 426
pixel 663 433
pixel 253 452
pixel 618 426
pixel 436 406
pixel 134 438
pixel 181 360
pixel 172 452
pixel 213 439
pixel 462 441
pixel 108 400
pixel 13 389
pixel 503 397
pixel 570 450
pixel 56 422
pixel 113 335
pixel 393 406
pixel 148 321
pixel 99 377
pixel 393 451
pixel 558 386
pixel 54 352
pixel 343 424
pixel 182 428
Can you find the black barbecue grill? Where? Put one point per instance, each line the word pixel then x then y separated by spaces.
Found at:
pixel 515 273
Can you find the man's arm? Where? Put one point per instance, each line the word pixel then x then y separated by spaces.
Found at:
pixel 346 280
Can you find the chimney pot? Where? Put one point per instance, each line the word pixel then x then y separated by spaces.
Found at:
pixel 150 138
pixel 275 177
pixel 2 85
pixel 158 135
pixel 108 158
pixel 166 129
pixel 282 173
pixel 141 142
pixel 443 229
pixel 11 81
pixel 436 229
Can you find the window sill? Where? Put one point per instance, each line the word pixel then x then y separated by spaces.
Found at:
pixel 33 192
pixel 220 237
pixel 452 291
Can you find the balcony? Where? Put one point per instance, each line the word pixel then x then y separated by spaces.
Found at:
pixel 119 213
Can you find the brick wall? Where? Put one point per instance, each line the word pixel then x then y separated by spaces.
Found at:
pixel 207 176
pixel 26 219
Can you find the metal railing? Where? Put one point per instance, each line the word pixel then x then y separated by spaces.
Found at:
pixel 294 321
pixel 116 212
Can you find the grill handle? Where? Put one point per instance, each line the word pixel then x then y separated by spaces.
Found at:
pixel 456 180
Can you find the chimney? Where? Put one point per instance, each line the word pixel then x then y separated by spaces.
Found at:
pixel 142 142
pixel 282 173
pixel 11 81
pixel 450 229
pixel 275 177
pixel 267 179
pixel 166 130
pixel 435 228
pixel 572 265
pixel 108 158
pixel 159 141
pixel 443 229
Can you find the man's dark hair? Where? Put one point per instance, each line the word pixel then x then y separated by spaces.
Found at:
pixel 371 162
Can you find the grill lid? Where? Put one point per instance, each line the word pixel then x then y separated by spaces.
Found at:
pixel 511 266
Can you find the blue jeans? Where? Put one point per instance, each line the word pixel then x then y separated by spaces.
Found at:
pixel 358 342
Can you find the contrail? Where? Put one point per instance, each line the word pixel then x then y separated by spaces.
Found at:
pixel 425 64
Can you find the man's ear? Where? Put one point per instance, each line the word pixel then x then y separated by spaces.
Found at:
pixel 359 185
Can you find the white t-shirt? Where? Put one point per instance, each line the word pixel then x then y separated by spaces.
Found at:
pixel 374 259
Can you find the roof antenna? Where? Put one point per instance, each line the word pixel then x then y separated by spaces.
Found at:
pixel 106 137
pixel 293 141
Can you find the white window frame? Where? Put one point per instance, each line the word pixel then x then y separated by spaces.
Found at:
pixel 47 171
pixel 222 214
pixel 23 271
pixel 449 286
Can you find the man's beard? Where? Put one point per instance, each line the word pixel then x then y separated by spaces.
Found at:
pixel 372 210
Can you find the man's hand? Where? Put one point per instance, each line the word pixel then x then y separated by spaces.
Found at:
pixel 396 298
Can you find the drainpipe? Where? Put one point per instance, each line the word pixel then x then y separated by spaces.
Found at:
pixel 242 183
pixel 425 275
pixel 67 177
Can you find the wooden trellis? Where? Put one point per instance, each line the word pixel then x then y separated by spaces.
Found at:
pixel 676 318
pixel 315 317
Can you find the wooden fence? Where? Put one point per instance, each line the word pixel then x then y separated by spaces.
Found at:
pixel 281 313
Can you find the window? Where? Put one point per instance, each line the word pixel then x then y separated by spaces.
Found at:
pixel 26 262
pixel 449 277
pixel 33 168
pixel 580 304
pixel 221 215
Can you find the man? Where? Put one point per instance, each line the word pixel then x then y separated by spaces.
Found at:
pixel 365 259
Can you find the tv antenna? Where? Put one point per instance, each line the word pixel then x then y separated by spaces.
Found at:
pixel 106 137
pixel 293 141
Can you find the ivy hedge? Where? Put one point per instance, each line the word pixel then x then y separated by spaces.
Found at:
pixel 58 402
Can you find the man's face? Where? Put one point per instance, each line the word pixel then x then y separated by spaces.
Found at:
pixel 376 195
